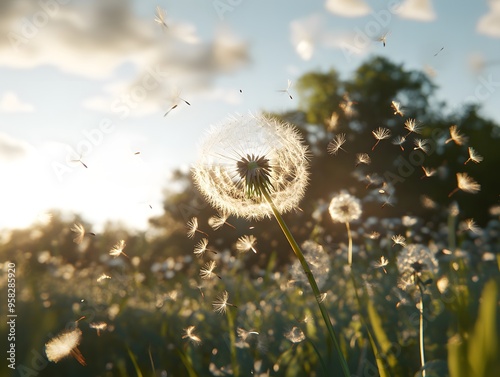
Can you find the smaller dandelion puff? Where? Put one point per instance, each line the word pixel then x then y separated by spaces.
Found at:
pixel 422 144
pixel 456 136
pixel 207 271
pixel 63 345
pixel 192 226
pixel 160 17
pixel 412 126
pixel 398 240
pixel 117 250
pixel 221 303
pixel 201 248
pixel 287 89
pixel 344 208
pixel 473 156
pixel 295 335
pixel 380 133
pixel 381 263
pixel 98 326
pixel 80 233
pixel 363 158
pixel 191 336
pixel 399 140
pixel 396 106
pixel 466 184
pixel 428 172
pixel 336 144
pixel 103 277
pixel 246 243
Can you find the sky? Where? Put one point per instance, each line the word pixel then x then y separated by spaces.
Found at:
pixel 85 85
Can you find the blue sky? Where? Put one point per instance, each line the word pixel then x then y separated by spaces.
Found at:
pixel 93 79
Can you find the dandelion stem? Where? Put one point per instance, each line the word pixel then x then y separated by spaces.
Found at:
pixel 232 339
pixel 421 335
pixel 349 252
pixel 298 252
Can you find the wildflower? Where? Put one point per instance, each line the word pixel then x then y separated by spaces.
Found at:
pixel 246 243
pixel 118 249
pixel 428 172
pixel 98 326
pixel 189 334
pixel 295 335
pixel 248 157
pixel 344 208
pixel 336 144
pixel 161 16
pixel 399 140
pixel 80 233
pixel 422 144
pixel 381 263
pixel 412 126
pixel 396 106
pixel 398 240
pixel 473 156
pixel 416 260
pixel 363 158
pixel 192 226
pixel 456 136
pixel 218 221
pixel 201 248
pixel 102 277
pixel 287 89
pixel 380 133
pixel 220 304
pixel 467 184
pixel 207 271
pixel 64 345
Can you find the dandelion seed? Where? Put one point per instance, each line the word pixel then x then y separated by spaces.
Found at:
pixel 117 250
pixel 428 172
pixel 344 208
pixel 295 335
pixel 201 248
pixel 363 158
pixel 189 334
pixel 396 106
pixel 80 233
pixel 176 100
pixel 98 326
pixel 218 221
pixel 415 260
pixel 192 226
pixel 473 156
pixel 346 105
pixel 398 240
pixel 380 133
pixel 243 334
pixel 388 202
pixel 287 89
pixel 336 144
pixel 383 38
pixel 374 235
pixel 436 54
pixel 161 16
pixel 103 277
pixel 246 243
pixel 207 271
pixel 422 144
pixel 371 180
pixel 322 297
pixel 381 263
pixel 455 136
pixel 399 140
pixel 333 122
pixel 64 345
pixel 246 155
pixel 412 126
pixel 466 184
pixel 220 304
pixel 470 224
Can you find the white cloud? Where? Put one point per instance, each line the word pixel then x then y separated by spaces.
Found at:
pixel 489 24
pixel 10 103
pixel 348 8
pixel 419 10
pixel 12 149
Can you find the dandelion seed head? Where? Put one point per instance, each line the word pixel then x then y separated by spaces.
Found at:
pixel 416 259
pixel 344 208
pixel 64 345
pixel 248 154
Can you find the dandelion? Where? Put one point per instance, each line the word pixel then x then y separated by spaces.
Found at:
pixel 220 304
pixel 191 336
pixel 207 271
pixel 399 140
pixel 396 106
pixel 63 345
pixel 473 156
pixel 412 126
pixel 176 100
pixel 380 133
pixel 287 89
pixel 398 240
pixel 245 155
pixel 428 172
pixel 455 136
pixel 201 248
pixel 336 144
pixel 218 221
pixel 422 144
pixel 192 226
pixel 103 277
pixel 363 158
pixel 467 184
pixel 295 335
pixel 117 250
pixel 80 233
pixel 98 326
pixel 381 263
pixel 161 16
pixel 246 243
